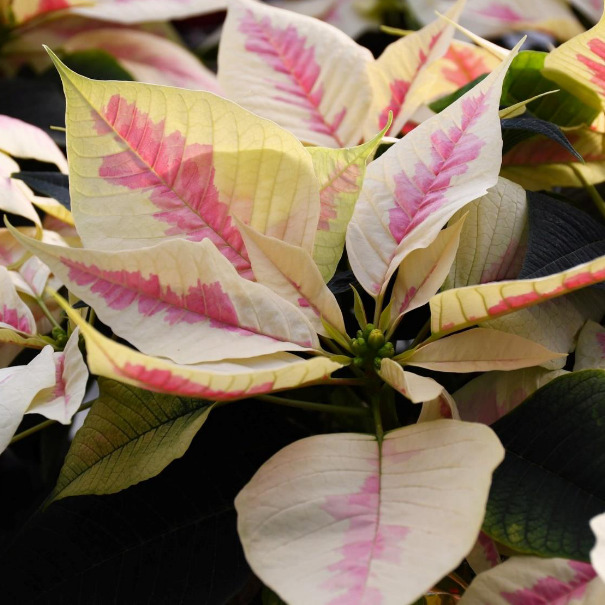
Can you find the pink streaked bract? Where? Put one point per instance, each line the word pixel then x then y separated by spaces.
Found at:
pixel 178 177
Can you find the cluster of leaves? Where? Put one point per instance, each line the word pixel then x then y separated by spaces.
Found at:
pixel 403 254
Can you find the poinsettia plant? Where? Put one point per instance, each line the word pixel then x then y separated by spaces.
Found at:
pixel 357 240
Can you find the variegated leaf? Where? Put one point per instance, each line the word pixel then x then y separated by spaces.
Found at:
pixel 460 65
pixel 590 351
pixel 493 18
pixel 344 518
pixel 53 208
pixel 593 9
pixel 581 59
pixel 396 76
pixel 597 554
pixel 14 313
pixel 140 11
pixel 153 163
pixel 350 17
pixel 484 555
pixel 413 386
pixel 18 387
pixel 25 10
pixel 554 324
pixel 479 350
pixel 15 195
pixel 222 381
pixel 179 299
pixel 290 272
pixel 62 400
pixel 543 164
pixel 304 74
pixel 422 272
pixel 32 277
pixel 490 396
pixel 23 140
pixel 340 173
pixel 536 580
pixel 463 307
pixel 149 58
pixel 492 241
pixel 414 188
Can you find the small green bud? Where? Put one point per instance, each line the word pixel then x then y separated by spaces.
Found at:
pixel 377 362
pixel 358 362
pixel 388 350
pixel 368 329
pixel 376 339
pixel 359 334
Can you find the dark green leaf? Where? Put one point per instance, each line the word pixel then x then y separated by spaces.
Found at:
pixel 40 102
pixel 169 540
pixel 552 480
pixel 128 436
pixel 440 104
pixel 515 130
pixel 560 237
pixel 53 184
pixel 525 80
pixel 97 64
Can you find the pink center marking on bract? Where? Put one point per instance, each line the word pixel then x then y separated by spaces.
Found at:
pixel 597 46
pixel 164 381
pixel 60 384
pixel 552 591
pixel 425 191
pixel 178 177
pixel 121 289
pixel 366 539
pixel 285 52
pixel 46 6
pixel 12 318
pixel 344 180
pixel 489 549
pixel 400 88
pixel 468 66
pixel 501 12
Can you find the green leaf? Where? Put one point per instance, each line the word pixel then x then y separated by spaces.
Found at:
pixel 516 130
pixel 440 104
pixel 560 237
pixel 52 184
pixel 97 64
pixel 552 480
pixel 524 80
pixel 129 435
pixel 169 540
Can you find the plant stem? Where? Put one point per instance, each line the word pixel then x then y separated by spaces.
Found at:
pixel 424 331
pixel 311 405
pixel 32 430
pixel 47 312
pixel 377 417
pixel 591 190
pixel 44 425
pixel 460 581
pixel 378 309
